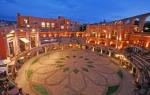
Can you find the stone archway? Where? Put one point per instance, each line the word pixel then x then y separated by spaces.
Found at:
pixel 136 23
pixel 146 27
pixel 127 22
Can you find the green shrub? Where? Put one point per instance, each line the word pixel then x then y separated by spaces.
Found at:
pixel 67 56
pixel 81 57
pixel 59 61
pixel 85 69
pixel 40 89
pixel 90 62
pixel 29 73
pixel 62 58
pixel 66 69
pixel 36 60
pixel 86 59
pixel 112 89
pixel 76 70
pixel 120 74
pixel 74 56
pixel 90 66
pixel 60 65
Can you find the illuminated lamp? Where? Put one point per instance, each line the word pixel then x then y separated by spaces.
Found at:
pixel 28 25
pixel 146 28
pixel 70 45
pixel 9 35
pixel 43 24
pixel 109 36
pixel 120 38
pixel 147 45
pixel 12 31
pixel 33 30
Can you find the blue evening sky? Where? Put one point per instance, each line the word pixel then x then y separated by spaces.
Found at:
pixel 80 10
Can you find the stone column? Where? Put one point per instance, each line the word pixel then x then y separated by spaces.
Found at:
pixel 45 49
pixel 93 49
pixel 38 42
pixel 101 51
pixel 110 53
pixel 28 45
pixel 16 43
pixel 37 53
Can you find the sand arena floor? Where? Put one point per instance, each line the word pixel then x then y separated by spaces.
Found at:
pixel 68 72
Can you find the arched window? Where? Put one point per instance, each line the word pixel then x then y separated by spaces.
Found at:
pixel 136 21
pixel 127 21
pixel 146 27
pixel 136 24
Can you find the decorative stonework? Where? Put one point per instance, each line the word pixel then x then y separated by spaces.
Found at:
pixel 72 72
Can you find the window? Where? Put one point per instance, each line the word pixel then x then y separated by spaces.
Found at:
pixel 26 21
pixel 48 25
pixel 43 24
pixel 28 25
pixel 67 22
pixel 62 27
pixel 52 25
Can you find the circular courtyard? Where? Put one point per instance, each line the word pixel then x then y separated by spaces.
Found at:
pixel 70 72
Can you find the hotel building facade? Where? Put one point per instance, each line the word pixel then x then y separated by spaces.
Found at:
pixel 34 35
pixel 31 32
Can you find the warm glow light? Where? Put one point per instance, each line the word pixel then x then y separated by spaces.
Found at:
pixel 43 24
pixel 109 36
pixel 33 30
pixel 28 25
pixel 48 24
pixel 70 45
pixel 120 38
pixel 104 31
pixel 12 31
pixel 147 44
pixel 146 28
pixel 9 35
pixel 62 27
pixel 26 21
pixel 52 25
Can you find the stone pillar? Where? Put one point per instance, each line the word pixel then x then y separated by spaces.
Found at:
pixel 93 49
pixel 38 41
pixel 37 53
pixel 16 43
pixel 8 49
pixel 141 24
pixel 28 45
pixel 101 51
pixel 62 47
pixel 131 71
pixel 110 53
pixel 45 49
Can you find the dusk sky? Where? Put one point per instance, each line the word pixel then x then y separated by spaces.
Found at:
pixel 80 10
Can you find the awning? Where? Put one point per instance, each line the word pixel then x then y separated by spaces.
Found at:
pixel 3 69
pixel 9 62
pixel 24 40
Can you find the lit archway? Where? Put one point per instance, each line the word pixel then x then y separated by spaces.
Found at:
pixel 146 27
pixel 103 34
pixel 127 21
pixel 136 22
